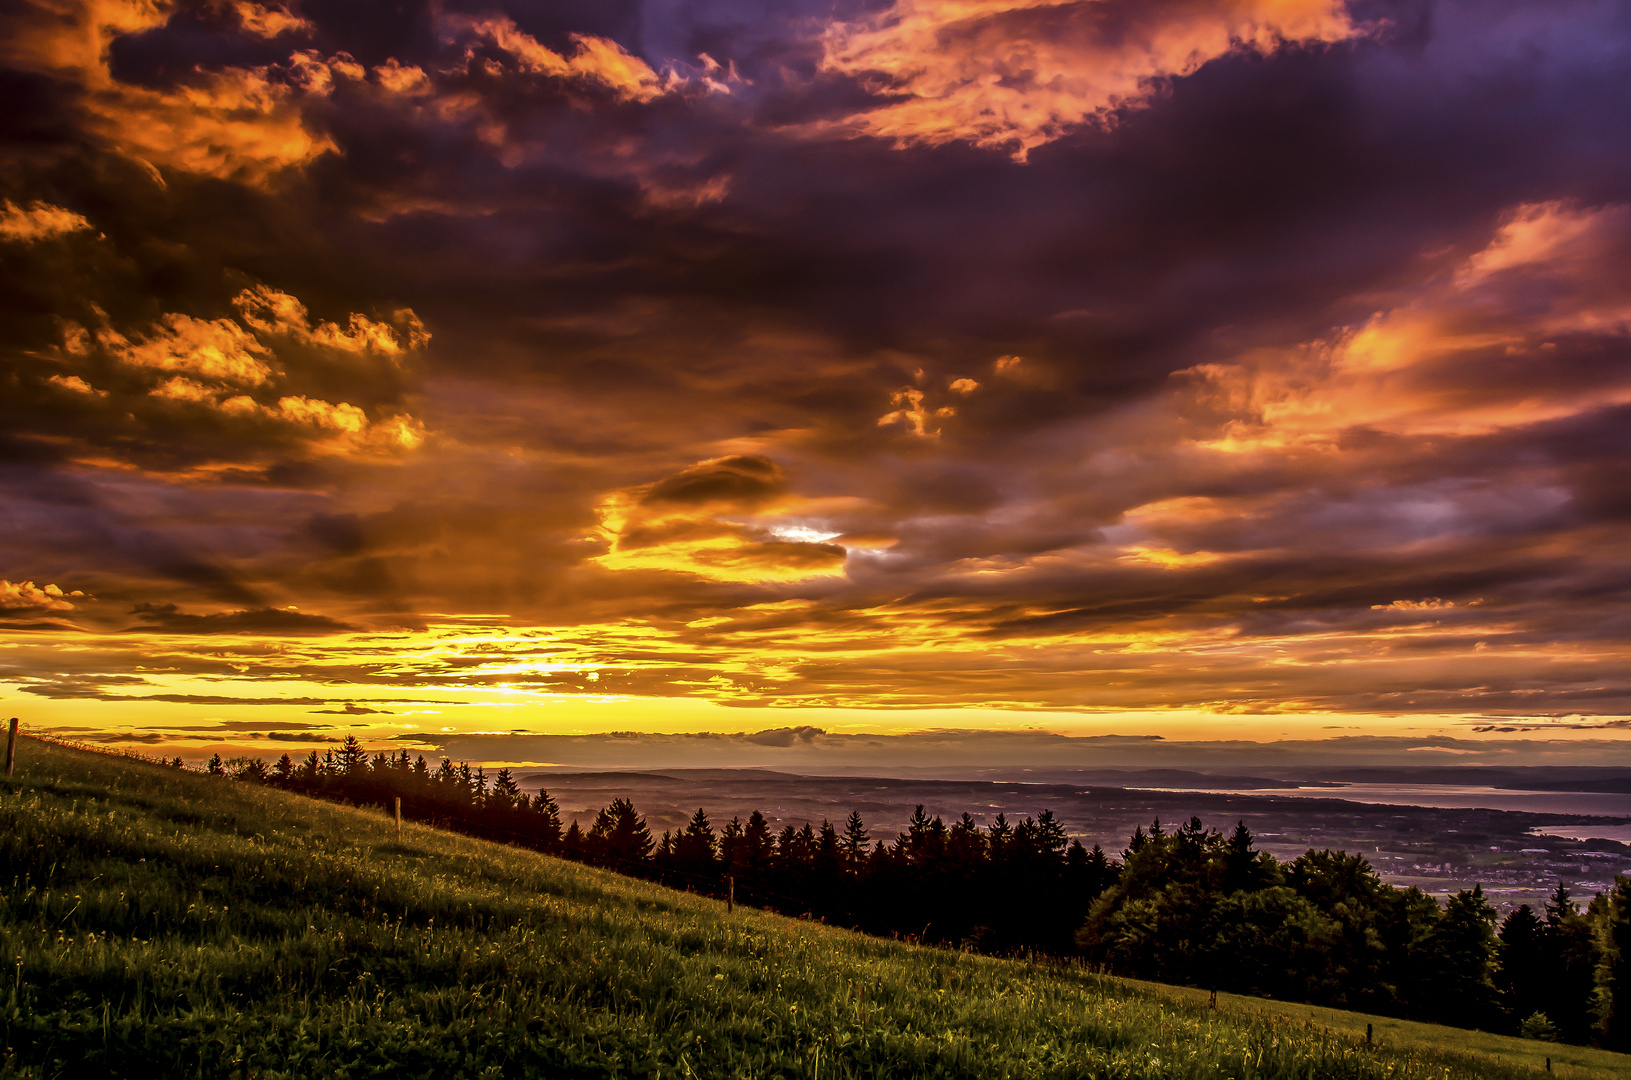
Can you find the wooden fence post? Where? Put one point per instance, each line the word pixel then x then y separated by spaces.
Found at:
pixel 1367 1034
pixel 730 893
pixel 399 817
pixel 11 748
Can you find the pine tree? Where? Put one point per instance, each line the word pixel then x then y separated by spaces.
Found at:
pixel 757 845
pixel 1522 966
pixel 1001 837
pixel 854 843
pixel 506 794
pixel 914 840
pixel 1101 872
pixel 731 855
pixel 1614 967
pixel 1241 871
pixel 1050 840
pixel 694 848
pixel 546 820
pixel 626 841
pixel 967 848
pixel 573 843
pixel 1571 986
pixel 1461 959
pixel 353 758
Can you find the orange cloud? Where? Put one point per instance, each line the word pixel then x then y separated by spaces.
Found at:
pixel 594 59
pixel 272 312
pixel 218 349
pixel 1548 272
pixel 1016 74
pixel 725 519
pixel 1537 233
pixel 240 123
pixel 26 596
pixel 239 367
pixel 40 221
pixel 75 384
pixel 917 418
pixel 268 22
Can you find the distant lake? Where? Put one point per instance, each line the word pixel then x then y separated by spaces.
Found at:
pixel 1456 797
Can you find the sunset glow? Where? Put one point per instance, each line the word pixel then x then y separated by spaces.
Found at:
pixel 470 376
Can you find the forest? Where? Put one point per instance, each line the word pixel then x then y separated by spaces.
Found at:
pixel 1187 905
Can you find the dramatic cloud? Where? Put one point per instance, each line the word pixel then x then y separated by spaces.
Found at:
pixel 1021 73
pixel 718 519
pixel 26 596
pixel 565 368
pixel 41 221
pixel 593 59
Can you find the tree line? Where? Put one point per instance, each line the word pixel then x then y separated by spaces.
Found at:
pixel 1187 905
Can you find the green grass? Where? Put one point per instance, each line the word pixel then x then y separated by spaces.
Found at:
pixel 1567 1062
pixel 159 923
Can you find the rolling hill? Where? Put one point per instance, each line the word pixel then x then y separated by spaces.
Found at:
pixel 161 923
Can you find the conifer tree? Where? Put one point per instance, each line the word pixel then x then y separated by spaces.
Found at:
pixel 1461 960
pixel 854 842
pixel 506 793
pixel 625 838
pixel 1000 836
pixel 353 758
pixel 914 841
pixel 1522 966
pixel 1571 985
pixel 1101 872
pixel 1614 967
pixel 731 855
pixel 546 819
pixel 757 844
pixel 1050 840
pixel 1241 870
pixel 573 843
pixel 694 848
pixel 829 857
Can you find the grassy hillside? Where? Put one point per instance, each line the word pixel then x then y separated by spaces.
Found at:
pixel 159 923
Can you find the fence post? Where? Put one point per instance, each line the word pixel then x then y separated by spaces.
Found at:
pixel 730 893
pixel 11 748
pixel 1367 1034
pixel 399 817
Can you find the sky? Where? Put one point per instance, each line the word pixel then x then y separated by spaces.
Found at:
pixel 493 377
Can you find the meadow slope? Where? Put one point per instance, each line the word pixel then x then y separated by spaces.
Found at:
pixel 163 923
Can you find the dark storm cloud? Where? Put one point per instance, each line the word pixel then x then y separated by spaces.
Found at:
pixel 1288 368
